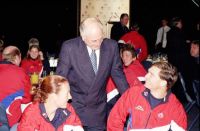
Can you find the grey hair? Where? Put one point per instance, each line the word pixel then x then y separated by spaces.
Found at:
pixel 87 24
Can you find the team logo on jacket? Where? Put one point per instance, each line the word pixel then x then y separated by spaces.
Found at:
pixel 160 115
pixel 146 93
pixel 139 107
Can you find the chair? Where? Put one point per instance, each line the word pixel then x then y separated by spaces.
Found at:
pixel 3 119
pixel 191 103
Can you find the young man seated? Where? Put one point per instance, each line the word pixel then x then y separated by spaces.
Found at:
pixel 133 70
pixel 150 106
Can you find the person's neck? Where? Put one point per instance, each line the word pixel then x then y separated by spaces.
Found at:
pixel 159 94
pixel 123 24
pixel 50 109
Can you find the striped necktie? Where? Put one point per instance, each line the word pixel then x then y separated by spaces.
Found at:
pixel 93 59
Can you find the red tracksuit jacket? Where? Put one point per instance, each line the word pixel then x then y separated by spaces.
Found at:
pixel 169 114
pixel 132 72
pixel 34 119
pixel 30 66
pixel 14 90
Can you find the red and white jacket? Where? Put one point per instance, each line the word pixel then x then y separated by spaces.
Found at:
pixel 134 74
pixel 34 119
pixel 15 89
pixel 30 66
pixel 169 114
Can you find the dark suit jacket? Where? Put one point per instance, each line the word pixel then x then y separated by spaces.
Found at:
pixel 117 31
pixel 87 90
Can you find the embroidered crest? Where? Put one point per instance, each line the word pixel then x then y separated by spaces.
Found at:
pixel 146 93
pixel 139 108
pixel 160 115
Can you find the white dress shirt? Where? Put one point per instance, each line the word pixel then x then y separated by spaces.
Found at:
pixel 159 36
pixel 97 54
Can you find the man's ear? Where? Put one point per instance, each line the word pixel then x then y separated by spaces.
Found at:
pixel 17 60
pixel 83 38
pixel 134 58
pixel 163 83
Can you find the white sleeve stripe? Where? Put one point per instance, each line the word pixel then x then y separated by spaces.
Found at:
pixel 72 128
pixel 112 94
pixel 173 124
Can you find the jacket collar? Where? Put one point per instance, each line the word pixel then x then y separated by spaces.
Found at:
pixel 59 118
pixel 146 94
pixel 6 62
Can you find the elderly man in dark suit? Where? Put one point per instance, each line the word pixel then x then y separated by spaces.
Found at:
pixel 87 62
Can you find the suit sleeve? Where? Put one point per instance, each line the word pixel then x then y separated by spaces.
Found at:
pixel 179 118
pixel 114 32
pixel 117 73
pixel 64 61
pixel 118 114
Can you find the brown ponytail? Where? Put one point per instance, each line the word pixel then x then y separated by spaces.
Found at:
pixel 49 85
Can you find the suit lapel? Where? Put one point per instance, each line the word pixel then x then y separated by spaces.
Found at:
pixel 84 61
pixel 102 59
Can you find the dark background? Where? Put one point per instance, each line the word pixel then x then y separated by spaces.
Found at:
pixel 54 21
pixel 49 21
pixel 148 14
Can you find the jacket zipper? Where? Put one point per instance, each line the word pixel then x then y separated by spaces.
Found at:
pixel 148 119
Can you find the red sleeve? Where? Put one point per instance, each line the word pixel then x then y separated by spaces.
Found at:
pixel 125 37
pixel 24 65
pixel 144 51
pixel 14 112
pixel 110 85
pixel 118 114
pixel 132 78
pixel 180 117
pixel 74 119
pixel 27 88
pixel 28 122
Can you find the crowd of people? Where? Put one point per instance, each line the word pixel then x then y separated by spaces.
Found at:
pixel 100 84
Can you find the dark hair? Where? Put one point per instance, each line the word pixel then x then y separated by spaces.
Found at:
pixel 123 15
pixel 34 46
pixel 129 47
pixel 31 47
pixel 175 21
pixel 164 18
pixel 1 45
pixel 49 85
pixel 135 26
pixel 195 42
pixel 168 72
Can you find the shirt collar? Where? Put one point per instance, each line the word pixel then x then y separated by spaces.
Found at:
pixel 146 94
pixel 90 50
